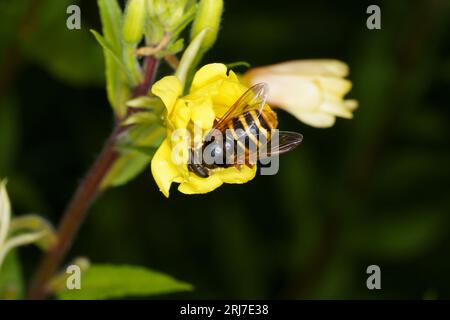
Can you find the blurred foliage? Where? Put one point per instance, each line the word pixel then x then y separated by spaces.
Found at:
pixel 42 39
pixel 373 190
pixel 11 282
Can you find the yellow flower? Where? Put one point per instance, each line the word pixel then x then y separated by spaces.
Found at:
pixel 311 90
pixel 212 92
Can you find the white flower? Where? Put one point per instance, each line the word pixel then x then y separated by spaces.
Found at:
pixel 311 90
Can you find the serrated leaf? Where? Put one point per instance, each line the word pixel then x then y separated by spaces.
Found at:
pixel 109 281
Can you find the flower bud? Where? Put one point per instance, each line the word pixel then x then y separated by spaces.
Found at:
pixel 134 21
pixel 166 16
pixel 208 17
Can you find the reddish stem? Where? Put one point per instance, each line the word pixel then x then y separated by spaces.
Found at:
pixel 73 217
pixel 151 64
pixel 84 196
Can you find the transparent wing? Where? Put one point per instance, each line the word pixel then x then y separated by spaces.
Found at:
pixel 253 99
pixel 285 141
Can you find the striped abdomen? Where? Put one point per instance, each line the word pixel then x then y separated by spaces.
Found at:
pixel 249 129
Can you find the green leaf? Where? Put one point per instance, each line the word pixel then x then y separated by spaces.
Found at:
pixel 131 63
pixel 143 134
pixel 137 146
pixel 146 102
pixel 111 17
pixel 109 281
pixel 33 224
pixel 109 49
pixel 11 281
pixel 126 168
pixel 140 118
pixel 116 80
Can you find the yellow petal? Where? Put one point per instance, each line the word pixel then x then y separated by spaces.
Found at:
pixel 163 170
pixel 168 89
pixel 197 185
pixel 181 114
pixel 208 74
pixel 233 77
pixel 229 92
pixel 233 175
pixel 203 113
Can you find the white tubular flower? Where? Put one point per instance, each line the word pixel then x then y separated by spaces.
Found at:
pixel 311 90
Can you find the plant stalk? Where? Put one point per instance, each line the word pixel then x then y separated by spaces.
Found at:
pixel 84 196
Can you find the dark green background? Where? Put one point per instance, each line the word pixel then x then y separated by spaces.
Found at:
pixel 373 190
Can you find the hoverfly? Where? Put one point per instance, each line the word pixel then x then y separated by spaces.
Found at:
pixel 248 120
